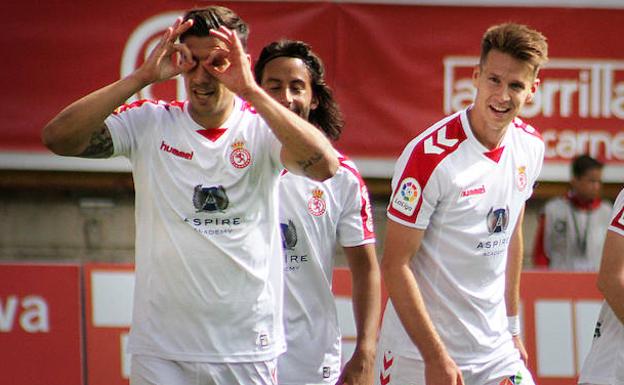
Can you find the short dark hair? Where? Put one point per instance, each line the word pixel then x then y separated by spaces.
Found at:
pixel 584 163
pixel 326 115
pixel 517 40
pixel 212 17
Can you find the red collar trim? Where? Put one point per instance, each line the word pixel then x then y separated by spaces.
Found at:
pixel 495 154
pixel 212 134
pixel 581 204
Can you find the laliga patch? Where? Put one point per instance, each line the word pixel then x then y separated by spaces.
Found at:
pixel 407 196
pixel 521 178
pixel 240 156
pixel 316 204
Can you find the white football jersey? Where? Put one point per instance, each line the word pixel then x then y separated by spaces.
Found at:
pixel 467 199
pixel 605 362
pixel 566 225
pixel 315 217
pixel 208 250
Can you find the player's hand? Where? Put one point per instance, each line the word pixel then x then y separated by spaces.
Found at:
pixel 230 65
pixel 520 346
pixel 443 372
pixel 169 58
pixel 359 370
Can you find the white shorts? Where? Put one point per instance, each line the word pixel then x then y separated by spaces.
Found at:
pixel 150 370
pixel 393 369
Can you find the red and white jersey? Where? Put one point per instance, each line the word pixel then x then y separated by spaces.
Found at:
pixel 315 217
pixel 209 281
pixel 467 199
pixel 605 362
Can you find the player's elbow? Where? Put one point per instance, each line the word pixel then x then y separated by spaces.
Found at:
pixel 610 285
pixel 52 139
pixel 324 169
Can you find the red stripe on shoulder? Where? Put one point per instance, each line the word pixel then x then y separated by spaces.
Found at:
pixel 139 103
pixel 618 220
pixel 366 214
pixel 427 154
pixel 518 123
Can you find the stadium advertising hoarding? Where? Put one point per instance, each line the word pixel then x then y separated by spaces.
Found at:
pixel 40 324
pixel 390 88
pixel 41 313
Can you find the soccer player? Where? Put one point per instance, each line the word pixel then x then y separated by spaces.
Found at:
pixel 605 362
pixel 315 217
pixel 453 250
pixel 208 294
pixel 572 228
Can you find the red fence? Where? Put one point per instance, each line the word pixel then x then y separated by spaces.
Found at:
pixel 42 341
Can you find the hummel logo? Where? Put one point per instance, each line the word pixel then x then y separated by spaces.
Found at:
pixel 473 191
pixel 172 150
pixel 433 148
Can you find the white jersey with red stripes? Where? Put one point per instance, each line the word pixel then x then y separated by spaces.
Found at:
pixel 467 199
pixel 208 251
pixel 605 362
pixel 315 218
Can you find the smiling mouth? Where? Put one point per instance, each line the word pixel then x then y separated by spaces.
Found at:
pixel 500 110
pixel 201 93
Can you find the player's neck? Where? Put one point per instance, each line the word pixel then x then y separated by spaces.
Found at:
pixel 213 118
pixel 488 135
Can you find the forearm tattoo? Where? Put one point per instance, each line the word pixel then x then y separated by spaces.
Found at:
pixel 100 145
pixel 306 164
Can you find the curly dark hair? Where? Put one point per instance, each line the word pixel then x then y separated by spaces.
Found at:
pixel 212 17
pixel 327 115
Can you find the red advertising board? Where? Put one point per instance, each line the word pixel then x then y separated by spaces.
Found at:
pixel 395 68
pixel 108 302
pixel 40 325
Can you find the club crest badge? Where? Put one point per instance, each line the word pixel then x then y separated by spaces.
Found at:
pixel 316 204
pixel 521 178
pixel 240 156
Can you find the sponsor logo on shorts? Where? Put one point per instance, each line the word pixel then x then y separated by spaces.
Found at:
pixel 512 380
pixel 406 198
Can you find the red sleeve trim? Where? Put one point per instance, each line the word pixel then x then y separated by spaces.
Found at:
pixel 618 220
pixel 365 206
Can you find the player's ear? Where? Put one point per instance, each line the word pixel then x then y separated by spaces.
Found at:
pixel 314 103
pixel 476 71
pixel 533 90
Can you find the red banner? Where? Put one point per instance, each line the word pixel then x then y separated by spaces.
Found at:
pixel 395 69
pixel 40 325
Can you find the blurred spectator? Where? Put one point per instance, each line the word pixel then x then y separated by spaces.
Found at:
pixel 572 228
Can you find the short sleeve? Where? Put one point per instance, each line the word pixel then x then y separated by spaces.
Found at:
pixel 355 225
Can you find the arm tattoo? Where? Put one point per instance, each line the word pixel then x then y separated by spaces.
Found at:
pixel 100 145
pixel 306 164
